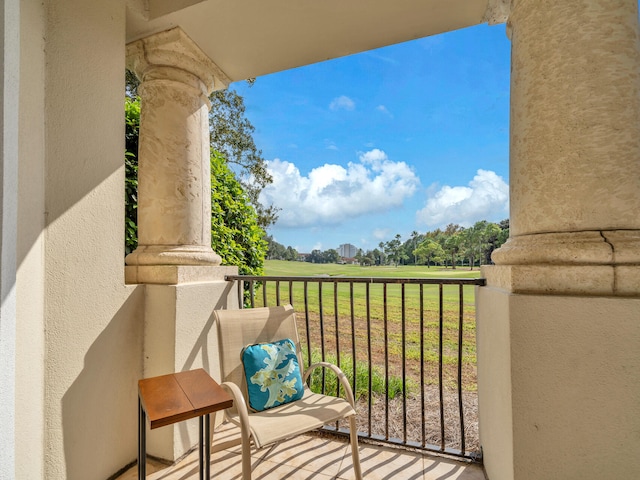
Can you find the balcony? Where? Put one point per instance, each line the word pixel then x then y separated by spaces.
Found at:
pixel 411 342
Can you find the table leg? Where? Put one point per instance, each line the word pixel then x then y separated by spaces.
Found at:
pixel 142 442
pixel 200 448
pixel 207 446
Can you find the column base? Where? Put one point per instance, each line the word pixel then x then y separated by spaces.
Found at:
pixel 155 255
pixel 175 274
pixel 601 262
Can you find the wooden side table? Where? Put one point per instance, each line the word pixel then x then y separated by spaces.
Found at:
pixel 176 397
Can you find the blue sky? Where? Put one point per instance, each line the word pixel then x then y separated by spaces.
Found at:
pixel 407 137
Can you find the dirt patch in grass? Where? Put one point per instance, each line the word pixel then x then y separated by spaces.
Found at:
pixel 425 428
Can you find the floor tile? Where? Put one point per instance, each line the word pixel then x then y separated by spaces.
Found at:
pixel 312 453
pixel 311 457
pixel 436 468
pixel 380 463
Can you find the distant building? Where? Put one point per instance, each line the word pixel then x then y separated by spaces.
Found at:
pixel 346 250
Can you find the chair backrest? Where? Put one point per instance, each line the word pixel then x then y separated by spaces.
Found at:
pixel 239 328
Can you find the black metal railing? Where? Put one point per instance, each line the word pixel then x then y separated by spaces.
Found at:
pixel 406 344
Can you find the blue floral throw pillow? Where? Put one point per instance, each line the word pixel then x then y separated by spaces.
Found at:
pixel 273 374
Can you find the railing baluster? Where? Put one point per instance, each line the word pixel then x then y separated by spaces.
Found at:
pixel 460 350
pixel 306 316
pixel 240 284
pixel 278 293
pixel 370 399
pixel 404 364
pixel 322 356
pixel 423 431
pixel 386 362
pixel 336 315
pixel 291 292
pixel 353 340
pixel 440 350
pixel 252 294
pixel 264 294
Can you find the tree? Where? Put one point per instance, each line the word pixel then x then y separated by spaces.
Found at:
pixel 414 240
pixel 291 254
pixel 315 256
pixel 132 125
pixel 381 255
pixel 453 246
pixel 377 256
pixel 431 251
pixel 477 240
pixel 491 235
pixel 232 135
pixel 503 236
pixel 275 250
pixel 237 237
pixel 393 249
pixel 330 256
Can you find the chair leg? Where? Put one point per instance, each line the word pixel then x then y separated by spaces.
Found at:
pixel 355 454
pixel 246 461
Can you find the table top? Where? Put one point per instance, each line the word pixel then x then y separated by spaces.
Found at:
pixel 180 396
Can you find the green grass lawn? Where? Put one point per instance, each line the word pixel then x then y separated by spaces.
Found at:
pixel 330 310
pixel 284 268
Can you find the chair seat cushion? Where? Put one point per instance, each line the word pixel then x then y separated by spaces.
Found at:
pixel 310 412
pixel 272 373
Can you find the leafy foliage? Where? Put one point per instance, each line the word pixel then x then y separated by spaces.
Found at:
pixel 236 235
pixel 378 383
pixel 132 125
pixel 430 251
pixel 277 251
pixel 232 136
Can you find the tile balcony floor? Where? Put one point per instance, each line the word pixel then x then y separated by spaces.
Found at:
pixel 312 456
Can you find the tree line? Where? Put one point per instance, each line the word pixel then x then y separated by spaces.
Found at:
pixel 455 246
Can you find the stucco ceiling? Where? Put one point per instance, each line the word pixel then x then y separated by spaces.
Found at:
pixel 249 38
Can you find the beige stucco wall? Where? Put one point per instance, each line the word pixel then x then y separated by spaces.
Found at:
pixel 81 330
pixel 30 421
pixel 494 380
pixel 93 322
pixel 573 372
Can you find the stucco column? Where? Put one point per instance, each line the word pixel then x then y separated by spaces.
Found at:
pixel 558 324
pixel 174 185
pixel 575 148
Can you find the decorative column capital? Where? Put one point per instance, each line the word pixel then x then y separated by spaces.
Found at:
pixel 173 49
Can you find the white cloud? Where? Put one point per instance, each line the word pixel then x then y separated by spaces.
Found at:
pixel 342 103
pixel 383 109
pixel 486 198
pixel 381 233
pixel 330 145
pixel 332 194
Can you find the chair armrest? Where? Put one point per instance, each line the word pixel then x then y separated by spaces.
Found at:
pixel 342 378
pixel 241 407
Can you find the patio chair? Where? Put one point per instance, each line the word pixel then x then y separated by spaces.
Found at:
pixel 239 328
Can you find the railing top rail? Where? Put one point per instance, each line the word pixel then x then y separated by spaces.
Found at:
pixel 425 281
